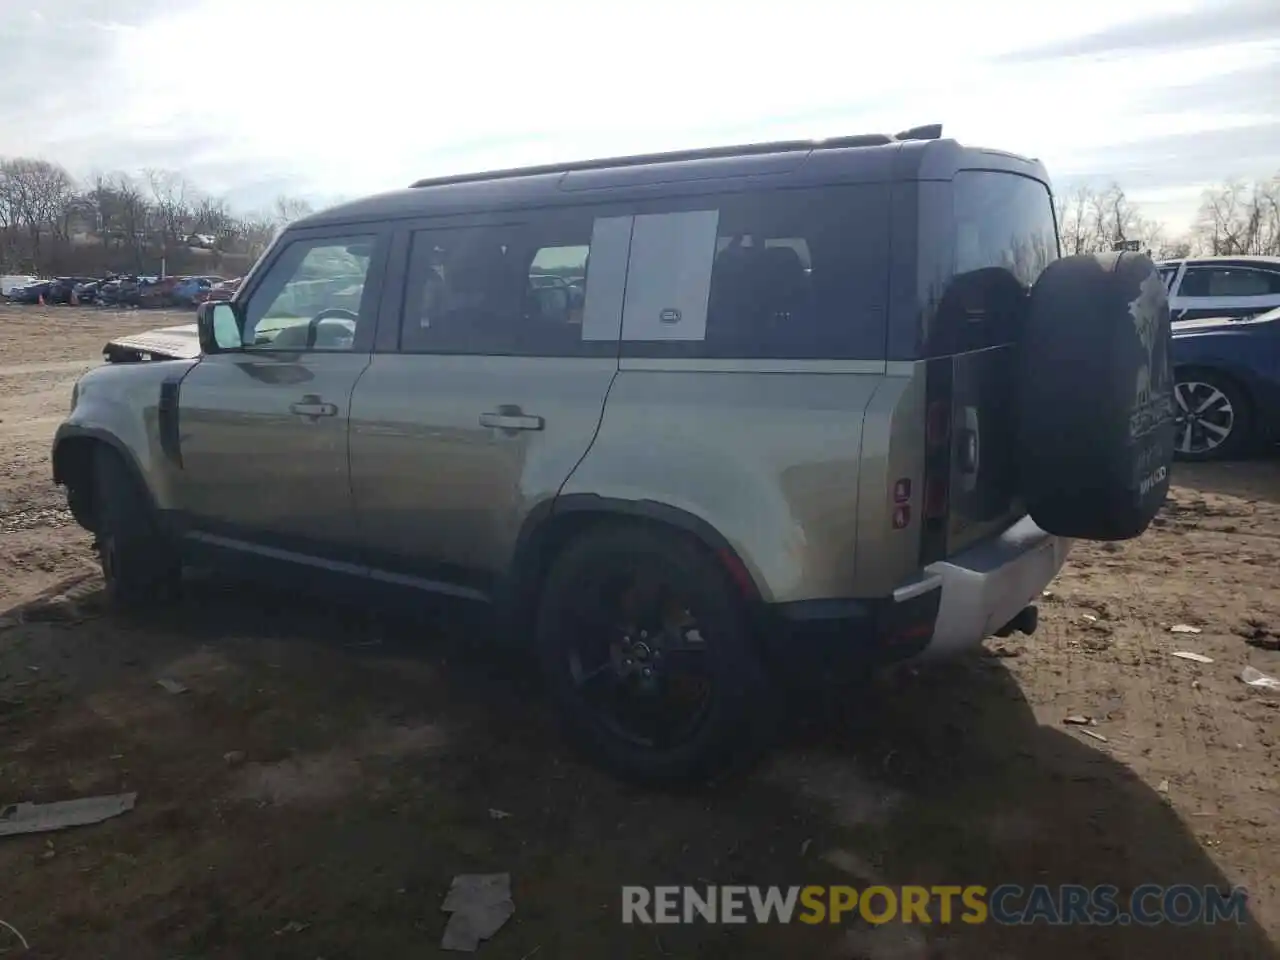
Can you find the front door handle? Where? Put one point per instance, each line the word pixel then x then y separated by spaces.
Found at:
pixel 511 419
pixel 312 407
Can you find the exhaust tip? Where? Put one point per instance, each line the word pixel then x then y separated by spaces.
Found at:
pixel 1026 621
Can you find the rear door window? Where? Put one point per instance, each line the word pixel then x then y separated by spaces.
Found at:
pixel 519 289
pixel 464 292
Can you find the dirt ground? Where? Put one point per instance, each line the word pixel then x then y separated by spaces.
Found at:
pixel 326 774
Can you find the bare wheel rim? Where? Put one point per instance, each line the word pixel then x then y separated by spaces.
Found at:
pixel 1205 417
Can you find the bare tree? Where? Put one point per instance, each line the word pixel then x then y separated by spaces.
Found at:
pixel 1073 222
pixel 288 209
pixel 8 222
pixel 1177 249
pixel 37 193
pixel 1221 220
pixel 254 232
pixel 211 215
pixel 169 200
pixel 123 214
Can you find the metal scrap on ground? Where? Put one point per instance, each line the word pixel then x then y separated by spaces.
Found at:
pixel 480 903
pixel 42 817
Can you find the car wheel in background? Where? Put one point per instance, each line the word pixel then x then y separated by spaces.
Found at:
pixel 1213 420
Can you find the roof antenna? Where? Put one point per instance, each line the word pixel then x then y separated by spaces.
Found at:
pixel 930 131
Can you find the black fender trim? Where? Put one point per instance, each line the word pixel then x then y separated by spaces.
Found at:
pixel 168 411
pixel 74 432
pixel 517 592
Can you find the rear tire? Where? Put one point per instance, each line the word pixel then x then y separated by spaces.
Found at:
pixel 737 718
pixel 1207 403
pixel 140 566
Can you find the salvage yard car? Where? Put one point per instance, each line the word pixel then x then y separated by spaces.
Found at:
pixel 12 283
pixel 62 288
pixel 825 406
pixel 32 292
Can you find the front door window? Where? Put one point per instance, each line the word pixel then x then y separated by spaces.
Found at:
pixel 312 298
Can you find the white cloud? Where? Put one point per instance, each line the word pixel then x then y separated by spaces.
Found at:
pixel 352 96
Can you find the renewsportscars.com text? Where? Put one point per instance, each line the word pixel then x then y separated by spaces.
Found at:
pixel 1009 904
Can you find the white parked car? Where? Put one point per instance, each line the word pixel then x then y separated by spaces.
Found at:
pixel 12 282
pixel 1236 286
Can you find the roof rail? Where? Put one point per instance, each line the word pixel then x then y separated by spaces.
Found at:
pixel 929 131
pixel 705 153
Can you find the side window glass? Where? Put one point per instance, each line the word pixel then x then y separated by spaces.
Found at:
pixel 312 297
pixel 797 274
pixel 464 293
pixel 1003 220
pixel 1238 283
pixel 1195 282
pixel 551 287
pixel 762 290
pixel 555 296
pixel 1228 282
pixel 561 269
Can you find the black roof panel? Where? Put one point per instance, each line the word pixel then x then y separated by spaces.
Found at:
pixel 862 159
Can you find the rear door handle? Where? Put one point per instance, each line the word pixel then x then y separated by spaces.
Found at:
pixel 312 406
pixel 511 421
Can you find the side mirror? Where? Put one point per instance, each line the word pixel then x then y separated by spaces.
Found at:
pixel 218 327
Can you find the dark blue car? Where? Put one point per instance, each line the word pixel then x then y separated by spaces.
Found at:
pixel 1227 385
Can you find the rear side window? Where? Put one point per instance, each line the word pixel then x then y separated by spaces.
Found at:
pixel 1004 235
pixel 1003 220
pixel 794 274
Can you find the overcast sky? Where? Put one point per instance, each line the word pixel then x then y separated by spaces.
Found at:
pixel 336 98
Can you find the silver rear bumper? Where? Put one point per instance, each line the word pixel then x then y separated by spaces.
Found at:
pixel 986 586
